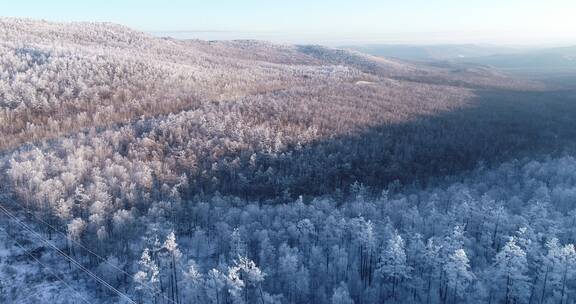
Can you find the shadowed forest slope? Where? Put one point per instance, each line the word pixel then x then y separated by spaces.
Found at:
pixel 254 119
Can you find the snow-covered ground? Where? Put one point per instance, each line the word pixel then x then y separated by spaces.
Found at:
pixel 32 273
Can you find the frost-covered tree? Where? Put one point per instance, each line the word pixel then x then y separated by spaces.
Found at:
pixel 215 283
pixel 237 245
pixel 147 278
pixel 341 295
pixel 245 275
pixel 194 282
pixel 392 266
pixel 510 267
pixel 174 256
pixel 458 275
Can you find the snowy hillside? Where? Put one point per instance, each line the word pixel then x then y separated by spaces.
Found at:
pixel 137 169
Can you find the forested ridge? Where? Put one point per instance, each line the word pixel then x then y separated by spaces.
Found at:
pixel 138 169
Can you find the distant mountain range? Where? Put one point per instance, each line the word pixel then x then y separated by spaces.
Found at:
pixel 431 52
pixel 548 60
pixel 557 65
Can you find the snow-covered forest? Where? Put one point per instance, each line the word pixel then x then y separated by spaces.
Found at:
pixel 137 169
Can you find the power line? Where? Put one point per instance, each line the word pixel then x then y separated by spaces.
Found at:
pixel 70 259
pixel 53 272
pixel 154 291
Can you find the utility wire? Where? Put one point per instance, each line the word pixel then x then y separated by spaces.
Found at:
pixel 46 267
pixel 70 259
pixel 154 291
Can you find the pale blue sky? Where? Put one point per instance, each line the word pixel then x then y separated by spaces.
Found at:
pixel 485 21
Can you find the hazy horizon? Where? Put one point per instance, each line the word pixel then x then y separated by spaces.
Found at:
pixel 512 22
pixel 410 39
